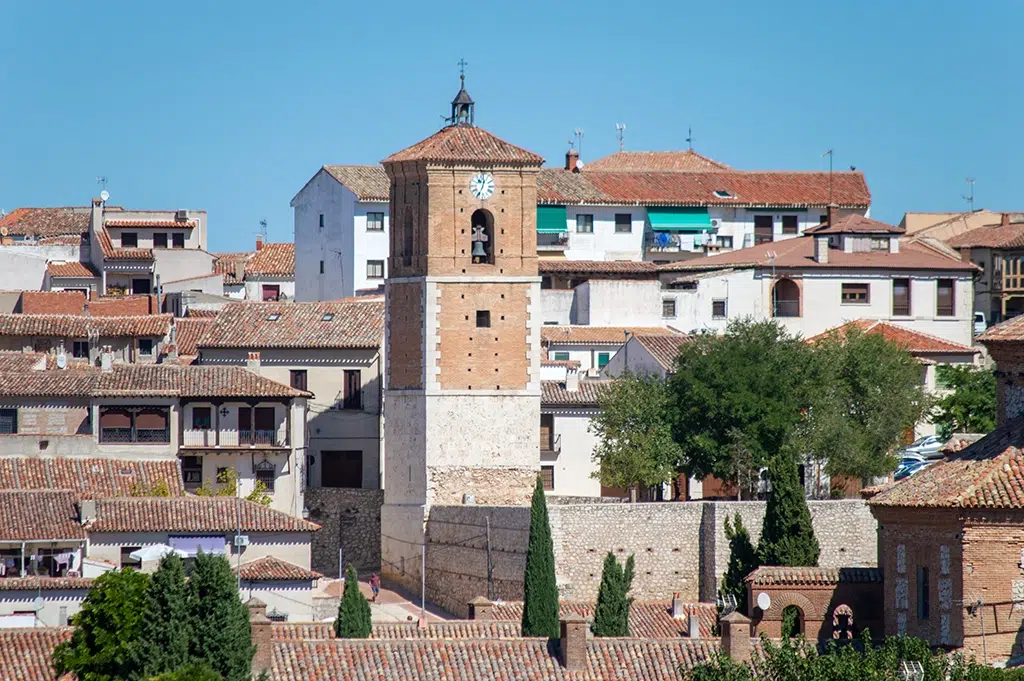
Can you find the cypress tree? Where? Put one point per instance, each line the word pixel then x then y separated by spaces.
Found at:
pixel 221 635
pixel 353 619
pixel 611 616
pixel 787 537
pixel 166 629
pixel 742 561
pixel 540 591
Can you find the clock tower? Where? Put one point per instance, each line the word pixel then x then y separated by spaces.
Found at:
pixel 462 331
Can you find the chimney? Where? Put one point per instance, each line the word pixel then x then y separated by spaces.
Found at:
pixel 833 214
pixel 240 267
pixel 1004 220
pixel 96 216
pixel 693 628
pixel 253 363
pixel 259 242
pixel 481 609
pixel 678 606
pixel 87 511
pixel 573 642
pixel 262 636
pixel 107 359
pixel 821 248
pixel 572 379
pixel 572 159
pixel 736 636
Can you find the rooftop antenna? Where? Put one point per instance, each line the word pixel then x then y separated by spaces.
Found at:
pixel 620 132
pixel 969 197
pixel 102 182
pixel 263 228
pixel 829 154
pixel 689 137
pixel 578 133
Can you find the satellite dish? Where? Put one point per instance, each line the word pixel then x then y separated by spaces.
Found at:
pixel 764 601
pixel 104 195
pixel 62 361
pixel 579 164
pixel 3 231
pixel 38 603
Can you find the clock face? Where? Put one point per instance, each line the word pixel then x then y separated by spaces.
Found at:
pixel 482 186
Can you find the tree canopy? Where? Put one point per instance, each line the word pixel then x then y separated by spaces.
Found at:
pixel 221 633
pixel 742 561
pixel 166 629
pixel 971 406
pixel 611 615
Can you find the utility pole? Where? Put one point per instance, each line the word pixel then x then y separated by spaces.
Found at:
pixel 490 563
pixel 423 584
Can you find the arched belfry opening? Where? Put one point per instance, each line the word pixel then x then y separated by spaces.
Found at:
pixel 482 223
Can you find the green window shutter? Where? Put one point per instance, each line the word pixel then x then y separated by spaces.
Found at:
pixel 602 359
pixel 551 220
pixel 561 356
pixel 683 219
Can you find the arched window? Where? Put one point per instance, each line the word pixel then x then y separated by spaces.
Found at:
pixel 482 223
pixel 842 622
pixel 792 621
pixel 785 299
pixel 409 239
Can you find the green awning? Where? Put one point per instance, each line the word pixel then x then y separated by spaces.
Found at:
pixel 551 220
pixel 679 219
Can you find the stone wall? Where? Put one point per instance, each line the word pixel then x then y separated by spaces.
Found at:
pixel 350 520
pixel 679 547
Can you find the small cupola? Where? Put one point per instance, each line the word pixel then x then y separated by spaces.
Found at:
pixel 462 105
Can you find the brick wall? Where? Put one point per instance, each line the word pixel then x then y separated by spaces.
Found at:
pixel 350 520
pixel 53 420
pixel 993 551
pixel 405 336
pixel 818 604
pixel 52 302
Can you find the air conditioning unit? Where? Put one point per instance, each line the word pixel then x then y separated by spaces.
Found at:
pixel 181 215
pixel 241 540
pixel 716 223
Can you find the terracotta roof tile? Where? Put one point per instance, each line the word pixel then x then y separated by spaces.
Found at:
pixel 630 267
pixel 52 302
pixel 447 630
pixel 188 331
pixel 992 236
pixel 598 335
pixel 75 269
pixel 567 363
pixel 192 514
pixel 46 222
pixel 912 341
pixel 368 183
pixel 272 259
pixel 45 584
pixel 457 143
pixel 39 515
pixel 227 265
pixel 12 360
pixel 64 240
pixel 71 382
pixel 564 187
pixel 664 349
pixel 198 313
pixel 554 393
pixel 655 160
pixel 855 224
pixel 822 576
pixel 1011 330
pixel 25 654
pixel 78 326
pixel 112 253
pixel 271 569
pixel 89 477
pixel 168 224
pixel 356 324
pixel 647 619
pixel 302 631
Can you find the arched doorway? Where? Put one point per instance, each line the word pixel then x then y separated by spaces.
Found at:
pixel 482 242
pixel 842 622
pixel 785 298
pixel 792 621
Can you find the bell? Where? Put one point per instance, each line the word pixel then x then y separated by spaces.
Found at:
pixel 478 250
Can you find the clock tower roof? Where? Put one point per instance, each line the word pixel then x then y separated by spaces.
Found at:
pixel 461 143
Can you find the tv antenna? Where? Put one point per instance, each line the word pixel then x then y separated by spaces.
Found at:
pixel 829 154
pixel 726 603
pixel 969 197
pixel 102 182
pixel 620 132
pixel 263 228
pixel 578 135
pixel 689 137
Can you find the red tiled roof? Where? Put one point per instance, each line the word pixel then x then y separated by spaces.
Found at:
pixel 52 302
pixel 457 143
pixel 368 183
pixel 356 324
pixel 798 253
pixel 78 326
pixel 991 236
pixel 818 576
pixel 271 569
pixel 65 240
pixel 447 630
pixel 647 619
pixel 302 631
pixel 199 313
pixel 192 514
pixel 1011 330
pixel 688 160
pixel 188 331
pixel 664 349
pixel 226 264
pixel 554 393
pixel 75 269
pixel 631 267
pixel 855 224
pixel 26 654
pixel 598 335
pixel 72 383
pixel 273 259
pixel 46 222
pixel 913 342
pixel 45 584
pixel 111 253
pixel 13 360
pixel 169 224
pixel 89 477
pixel 567 363
pixel 560 187
pixel 39 515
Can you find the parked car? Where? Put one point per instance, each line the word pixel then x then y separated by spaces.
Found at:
pixel 928 446
pixel 979 323
pixel 911 468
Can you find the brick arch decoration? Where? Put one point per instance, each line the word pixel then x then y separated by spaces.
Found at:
pixel 787 598
pixel 838 612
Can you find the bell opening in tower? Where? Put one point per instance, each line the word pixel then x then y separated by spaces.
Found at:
pixel 483 237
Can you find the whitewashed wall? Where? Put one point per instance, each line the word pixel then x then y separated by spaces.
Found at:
pixel 574 463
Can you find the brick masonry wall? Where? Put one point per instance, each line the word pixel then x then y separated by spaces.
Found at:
pixel 349 519
pixel 53 420
pixel 405 335
pixel 993 552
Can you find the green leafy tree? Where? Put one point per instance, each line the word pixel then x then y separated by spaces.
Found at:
pixel 971 406
pixel 736 399
pixel 166 628
pixel 540 591
pixel 227 486
pixel 353 611
pixel 104 644
pixel 611 616
pixel 787 537
pixel 742 561
pixel 635 448
pixel 191 672
pixel 221 635
pixel 867 394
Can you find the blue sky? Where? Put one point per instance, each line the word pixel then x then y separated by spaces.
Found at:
pixel 233 106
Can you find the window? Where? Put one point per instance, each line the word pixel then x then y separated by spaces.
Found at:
pixel 151 425
pixel 547 477
pixel 202 418
pixel 374 269
pixel 856 294
pixel 141 287
pixel 341 469
pixel 602 359
pixel 482 243
pixel 80 349
pixel 327 317
pixel 561 356
pixel 718 309
pixel 822 219
pixel 160 240
pixel 266 472
pixel 298 379
pixel 668 308
pixel 129 240
pixel 879 243
pixel 138 425
pixel 923 601
pixel 789 224
pixel 944 298
pixel 353 395
pixel 126 557
pixel 271 292
pixel 901 297
pixel 178 240
pixel 764 229
pixel 321 220
pixel 192 472
pixel 724 194
pixel 724 241
pixel 623 223
pixel 786 298
pixel 585 223
pixel 375 222
pixel 321 267
pixel 483 319
pixel 146 346
pixel 8 421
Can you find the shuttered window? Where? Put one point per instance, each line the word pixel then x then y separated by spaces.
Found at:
pixel 944 298
pixel 901 297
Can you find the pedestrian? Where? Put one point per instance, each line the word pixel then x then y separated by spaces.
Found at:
pixel 375 585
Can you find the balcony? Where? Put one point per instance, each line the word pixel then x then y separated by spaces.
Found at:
pixel 550 444
pixel 205 438
pixel 553 242
pixel 676 242
pixel 134 435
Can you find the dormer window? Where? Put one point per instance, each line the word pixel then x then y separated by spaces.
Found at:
pixel 724 194
pixel 879 243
